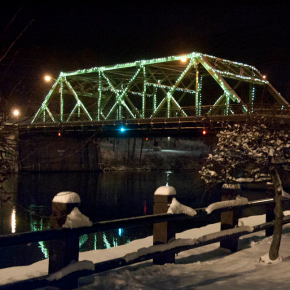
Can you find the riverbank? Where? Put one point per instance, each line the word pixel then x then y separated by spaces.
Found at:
pixel 135 154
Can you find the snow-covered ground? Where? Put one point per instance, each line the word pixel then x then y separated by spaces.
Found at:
pixel 204 268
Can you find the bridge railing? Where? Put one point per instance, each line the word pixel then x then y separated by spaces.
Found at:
pixel 185 111
pixel 162 231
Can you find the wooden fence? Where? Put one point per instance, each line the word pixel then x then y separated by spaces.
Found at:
pixel 162 233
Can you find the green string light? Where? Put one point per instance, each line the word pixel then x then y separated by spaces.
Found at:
pixel 100 96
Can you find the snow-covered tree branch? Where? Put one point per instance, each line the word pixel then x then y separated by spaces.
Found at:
pixel 252 152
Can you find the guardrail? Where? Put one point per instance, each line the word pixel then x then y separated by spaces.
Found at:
pixel 162 233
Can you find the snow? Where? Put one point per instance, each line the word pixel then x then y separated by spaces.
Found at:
pixel 67 197
pixel 225 233
pixel 231 185
pixel 222 204
pixel 177 208
pixel 73 267
pixel 76 220
pixel 165 190
pixel 205 268
pixel 185 242
pixel 285 194
pixel 159 248
pixel 266 259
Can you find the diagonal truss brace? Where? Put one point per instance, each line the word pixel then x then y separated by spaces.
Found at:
pixel 169 95
pixel 219 79
pixel 79 102
pixel 120 97
pixel 45 102
pixel 72 112
pixel 50 114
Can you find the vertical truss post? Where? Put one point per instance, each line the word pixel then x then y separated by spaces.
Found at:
pixel 199 95
pixel 227 104
pixel 197 90
pixel 144 93
pixel 44 116
pixel 100 95
pixel 154 99
pixel 120 112
pixel 168 98
pixel 79 110
pixel 61 101
pixel 251 96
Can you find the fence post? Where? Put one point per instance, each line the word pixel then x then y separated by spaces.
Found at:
pixel 63 250
pixel 229 219
pixel 270 214
pixel 163 232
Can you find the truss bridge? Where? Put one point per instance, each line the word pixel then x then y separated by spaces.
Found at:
pixel 172 93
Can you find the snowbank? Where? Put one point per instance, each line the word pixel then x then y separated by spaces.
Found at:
pixel 159 248
pixel 266 259
pixel 222 204
pixel 177 208
pixel 231 185
pixel 76 220
pixel 73 267
pixel 67 197
pixel 225 233
pixel 165 190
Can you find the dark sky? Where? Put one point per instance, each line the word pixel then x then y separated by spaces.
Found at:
pixel 66 36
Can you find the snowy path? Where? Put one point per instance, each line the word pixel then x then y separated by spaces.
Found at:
pixel 206 268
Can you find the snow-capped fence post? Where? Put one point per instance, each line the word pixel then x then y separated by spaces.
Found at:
pixel 270 214
pixel 63 250
pixel 230 219
pixel 163 232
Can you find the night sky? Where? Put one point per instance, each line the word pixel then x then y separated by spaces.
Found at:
pixel 66 36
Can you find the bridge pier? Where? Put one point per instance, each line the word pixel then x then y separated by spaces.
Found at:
pixel 75 151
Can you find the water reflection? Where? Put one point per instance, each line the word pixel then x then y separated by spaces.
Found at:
pixel 13 220
pixel 8 199
pixel 167 177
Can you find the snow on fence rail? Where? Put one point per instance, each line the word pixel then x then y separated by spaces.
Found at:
pixel 159 253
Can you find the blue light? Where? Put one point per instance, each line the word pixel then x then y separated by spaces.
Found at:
pixel 120 232
pixel 122 129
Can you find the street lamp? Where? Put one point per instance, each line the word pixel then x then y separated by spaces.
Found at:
pixel 48 78
pixel 16 113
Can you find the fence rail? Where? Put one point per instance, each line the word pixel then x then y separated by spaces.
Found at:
pixel 46 235
pixel 56 234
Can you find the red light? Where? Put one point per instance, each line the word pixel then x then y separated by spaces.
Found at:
pixel 59 134
pixel 147 139
pixel 204 132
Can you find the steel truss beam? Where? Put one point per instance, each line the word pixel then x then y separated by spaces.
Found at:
pixel 166 80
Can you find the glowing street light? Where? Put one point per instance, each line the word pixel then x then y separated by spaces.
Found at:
pixel 264 77
pixel 48 78
pixel 183 59
pixel 16 113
